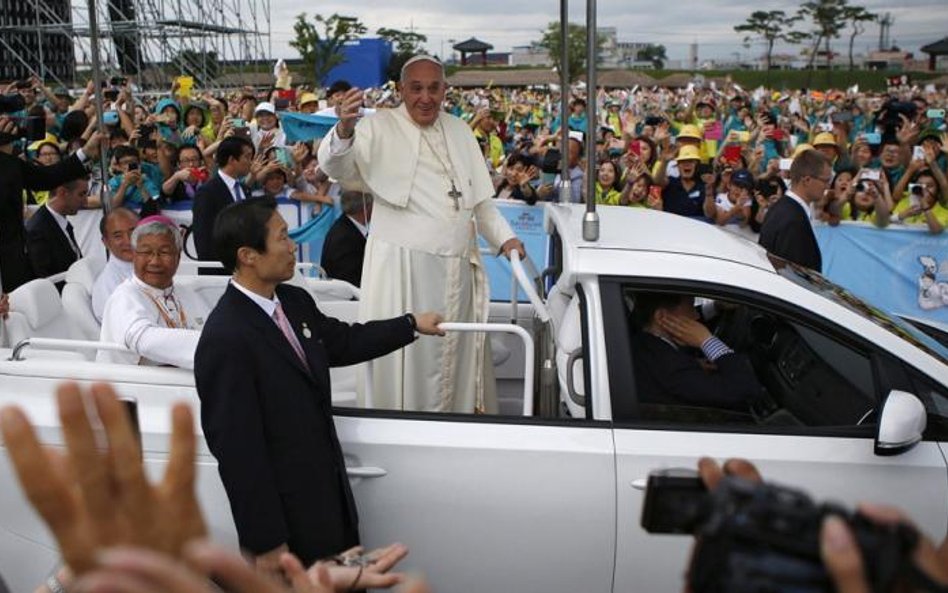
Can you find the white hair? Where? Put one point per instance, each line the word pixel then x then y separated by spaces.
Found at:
pixel 420 58
pixel 157 227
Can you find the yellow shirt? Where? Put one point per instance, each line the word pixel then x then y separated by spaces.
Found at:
pixel 847 214
pixel 495 148
pixel 610 199
pixel 940 212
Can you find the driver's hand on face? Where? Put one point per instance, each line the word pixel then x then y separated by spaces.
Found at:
pixel 683 330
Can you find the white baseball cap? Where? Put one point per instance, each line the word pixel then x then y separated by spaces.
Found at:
pixel 267 107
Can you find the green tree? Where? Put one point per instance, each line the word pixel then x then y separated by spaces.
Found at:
pixel 654 54
pixel 575 47
pixel 856 17
pixel 405 43
pixel 828 22
pixel 320 42
pixel 770 26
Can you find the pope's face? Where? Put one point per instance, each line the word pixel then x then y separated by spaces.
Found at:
pixel 156 260
pixel 423 92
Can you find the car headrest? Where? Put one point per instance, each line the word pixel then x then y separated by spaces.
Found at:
pixel 38 301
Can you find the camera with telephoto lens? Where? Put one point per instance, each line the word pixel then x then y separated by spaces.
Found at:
pixel 762 538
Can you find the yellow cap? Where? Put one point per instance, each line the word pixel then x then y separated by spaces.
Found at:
pixel 800 149
pixel 308 98
pixel 688 153
pixel 49 139
pixel 824 139
pixel 690 131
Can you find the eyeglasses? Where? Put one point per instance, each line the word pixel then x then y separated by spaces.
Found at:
pixel 191 161
pixel 825 180
pixel 148 254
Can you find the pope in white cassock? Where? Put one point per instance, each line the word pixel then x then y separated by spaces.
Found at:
pixel 432 196
pixel 159 322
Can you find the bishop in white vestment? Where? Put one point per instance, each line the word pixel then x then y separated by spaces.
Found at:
pixel 158 321
pixel 432 196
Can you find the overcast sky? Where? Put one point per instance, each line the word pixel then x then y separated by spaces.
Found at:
pixel 676 24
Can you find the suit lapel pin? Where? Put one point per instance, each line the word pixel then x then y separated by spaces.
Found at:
pixel 306 333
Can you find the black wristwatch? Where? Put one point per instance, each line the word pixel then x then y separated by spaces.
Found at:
pixel 412 322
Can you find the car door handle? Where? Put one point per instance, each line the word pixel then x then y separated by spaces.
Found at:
pixel 640 484
pixel 365 472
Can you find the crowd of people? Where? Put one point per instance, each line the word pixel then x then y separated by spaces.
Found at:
pixel 718 154
pixel 432 159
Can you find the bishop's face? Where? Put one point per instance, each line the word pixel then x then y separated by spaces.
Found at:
pixel 156 260
pixel 423 92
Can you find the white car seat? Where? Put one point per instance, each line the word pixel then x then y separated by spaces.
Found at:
pixel 37 311
pixel 77 297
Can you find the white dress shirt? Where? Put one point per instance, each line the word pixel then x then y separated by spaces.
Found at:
pixel 806 207
pixel 114 273
pixel 230 182
pixel 62 222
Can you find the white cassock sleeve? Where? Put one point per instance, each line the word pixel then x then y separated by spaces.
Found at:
pixel 492 225
pixel 337 158
pixel 163 345
pixel 130 320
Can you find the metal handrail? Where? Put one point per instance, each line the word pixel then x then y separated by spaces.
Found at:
pixel 528 350
pixel 63 344
pixel 539 307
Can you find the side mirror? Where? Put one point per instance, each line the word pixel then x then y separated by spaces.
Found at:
pixel 901 424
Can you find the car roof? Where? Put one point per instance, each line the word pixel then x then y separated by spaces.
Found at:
pixel 633 230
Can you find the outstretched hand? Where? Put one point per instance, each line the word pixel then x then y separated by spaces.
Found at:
pixel 349 111
pixel 93 499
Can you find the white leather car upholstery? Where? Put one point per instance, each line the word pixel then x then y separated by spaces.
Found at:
pixel 77 297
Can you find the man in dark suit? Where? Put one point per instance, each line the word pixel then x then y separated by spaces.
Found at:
pixel 17 175
pixel 262 373
pixel 234 158
pixel 344 247
pixel 667 370
pixel 787 230
pixel 51 242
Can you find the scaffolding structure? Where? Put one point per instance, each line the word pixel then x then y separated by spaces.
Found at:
pixel 152 41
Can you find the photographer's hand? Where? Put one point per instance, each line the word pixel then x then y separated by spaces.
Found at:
pixel 843 559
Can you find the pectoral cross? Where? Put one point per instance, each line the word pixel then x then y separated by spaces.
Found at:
pixel 455 195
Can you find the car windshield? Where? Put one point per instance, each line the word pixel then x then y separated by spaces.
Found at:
pixel 819 284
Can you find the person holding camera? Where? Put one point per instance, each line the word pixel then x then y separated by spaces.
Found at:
pixel 134 184
pixel 921 204
pixel 18 174
pixel 874 549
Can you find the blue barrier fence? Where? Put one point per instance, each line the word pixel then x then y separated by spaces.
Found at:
pixel 902 270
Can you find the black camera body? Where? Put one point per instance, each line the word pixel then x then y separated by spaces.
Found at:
pixel 29 128
pixel 760 538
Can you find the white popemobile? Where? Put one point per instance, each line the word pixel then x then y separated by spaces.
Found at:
pixel 547 496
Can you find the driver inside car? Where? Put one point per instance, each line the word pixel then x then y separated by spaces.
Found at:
pixel 678 361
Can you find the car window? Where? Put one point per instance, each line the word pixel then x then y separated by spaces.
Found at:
pixel 780 370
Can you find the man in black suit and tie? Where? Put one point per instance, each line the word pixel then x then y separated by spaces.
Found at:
pixel 51 242
pixel 344 247
pixel 18 174
pixel 787 230
pixel 667 367
pixel 234 158
pixel 262 373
